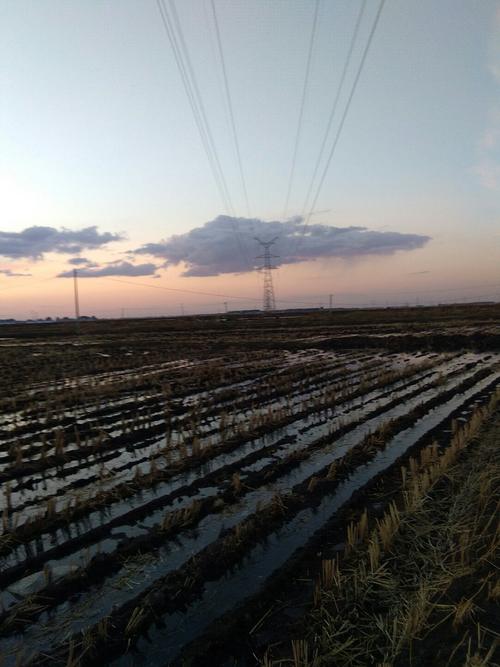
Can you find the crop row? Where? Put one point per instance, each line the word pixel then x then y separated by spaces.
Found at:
pixel 300 475
pixel 164 470
pixel 324 484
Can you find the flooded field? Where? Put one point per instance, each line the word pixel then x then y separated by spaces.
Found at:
pixel 153 484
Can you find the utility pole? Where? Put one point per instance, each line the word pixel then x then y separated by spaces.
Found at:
pixel 330 303
pixel 268 301
pixel 225 306
pixel 77 301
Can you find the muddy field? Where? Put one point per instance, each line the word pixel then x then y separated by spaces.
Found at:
pixel 164 483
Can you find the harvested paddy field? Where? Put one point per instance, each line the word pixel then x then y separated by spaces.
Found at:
pixel 307 490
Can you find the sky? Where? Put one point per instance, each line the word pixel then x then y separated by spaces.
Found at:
pixel 103 169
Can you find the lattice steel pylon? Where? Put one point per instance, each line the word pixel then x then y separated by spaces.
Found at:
pixel 268 302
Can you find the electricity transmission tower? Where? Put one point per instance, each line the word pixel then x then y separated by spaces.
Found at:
pixel 269 302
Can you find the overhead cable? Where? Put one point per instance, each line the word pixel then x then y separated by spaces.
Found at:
pixel 335 103
pixel 301 108
pixel 342 122
pixel 173 29
pixel 230 107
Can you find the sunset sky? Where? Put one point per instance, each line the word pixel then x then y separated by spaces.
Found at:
pixel 102 167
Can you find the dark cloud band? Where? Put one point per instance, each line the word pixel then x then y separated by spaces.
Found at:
pixel 34 242
pixel 213 249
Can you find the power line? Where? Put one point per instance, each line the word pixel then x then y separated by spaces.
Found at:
pixel 167 24
pixel 301 108
pixel 229 206
pixel 234 297
pixel 183 291
pixel 342 121
pixel 311 302
pixel 183 60
pixel 173 29
pixel 249 298
pixel 335 102
pixel 230 107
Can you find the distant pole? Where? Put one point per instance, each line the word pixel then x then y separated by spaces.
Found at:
pixel 182 309
pixel 330 302
pixel 77 301
pixel 225 306
pixel 269 302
